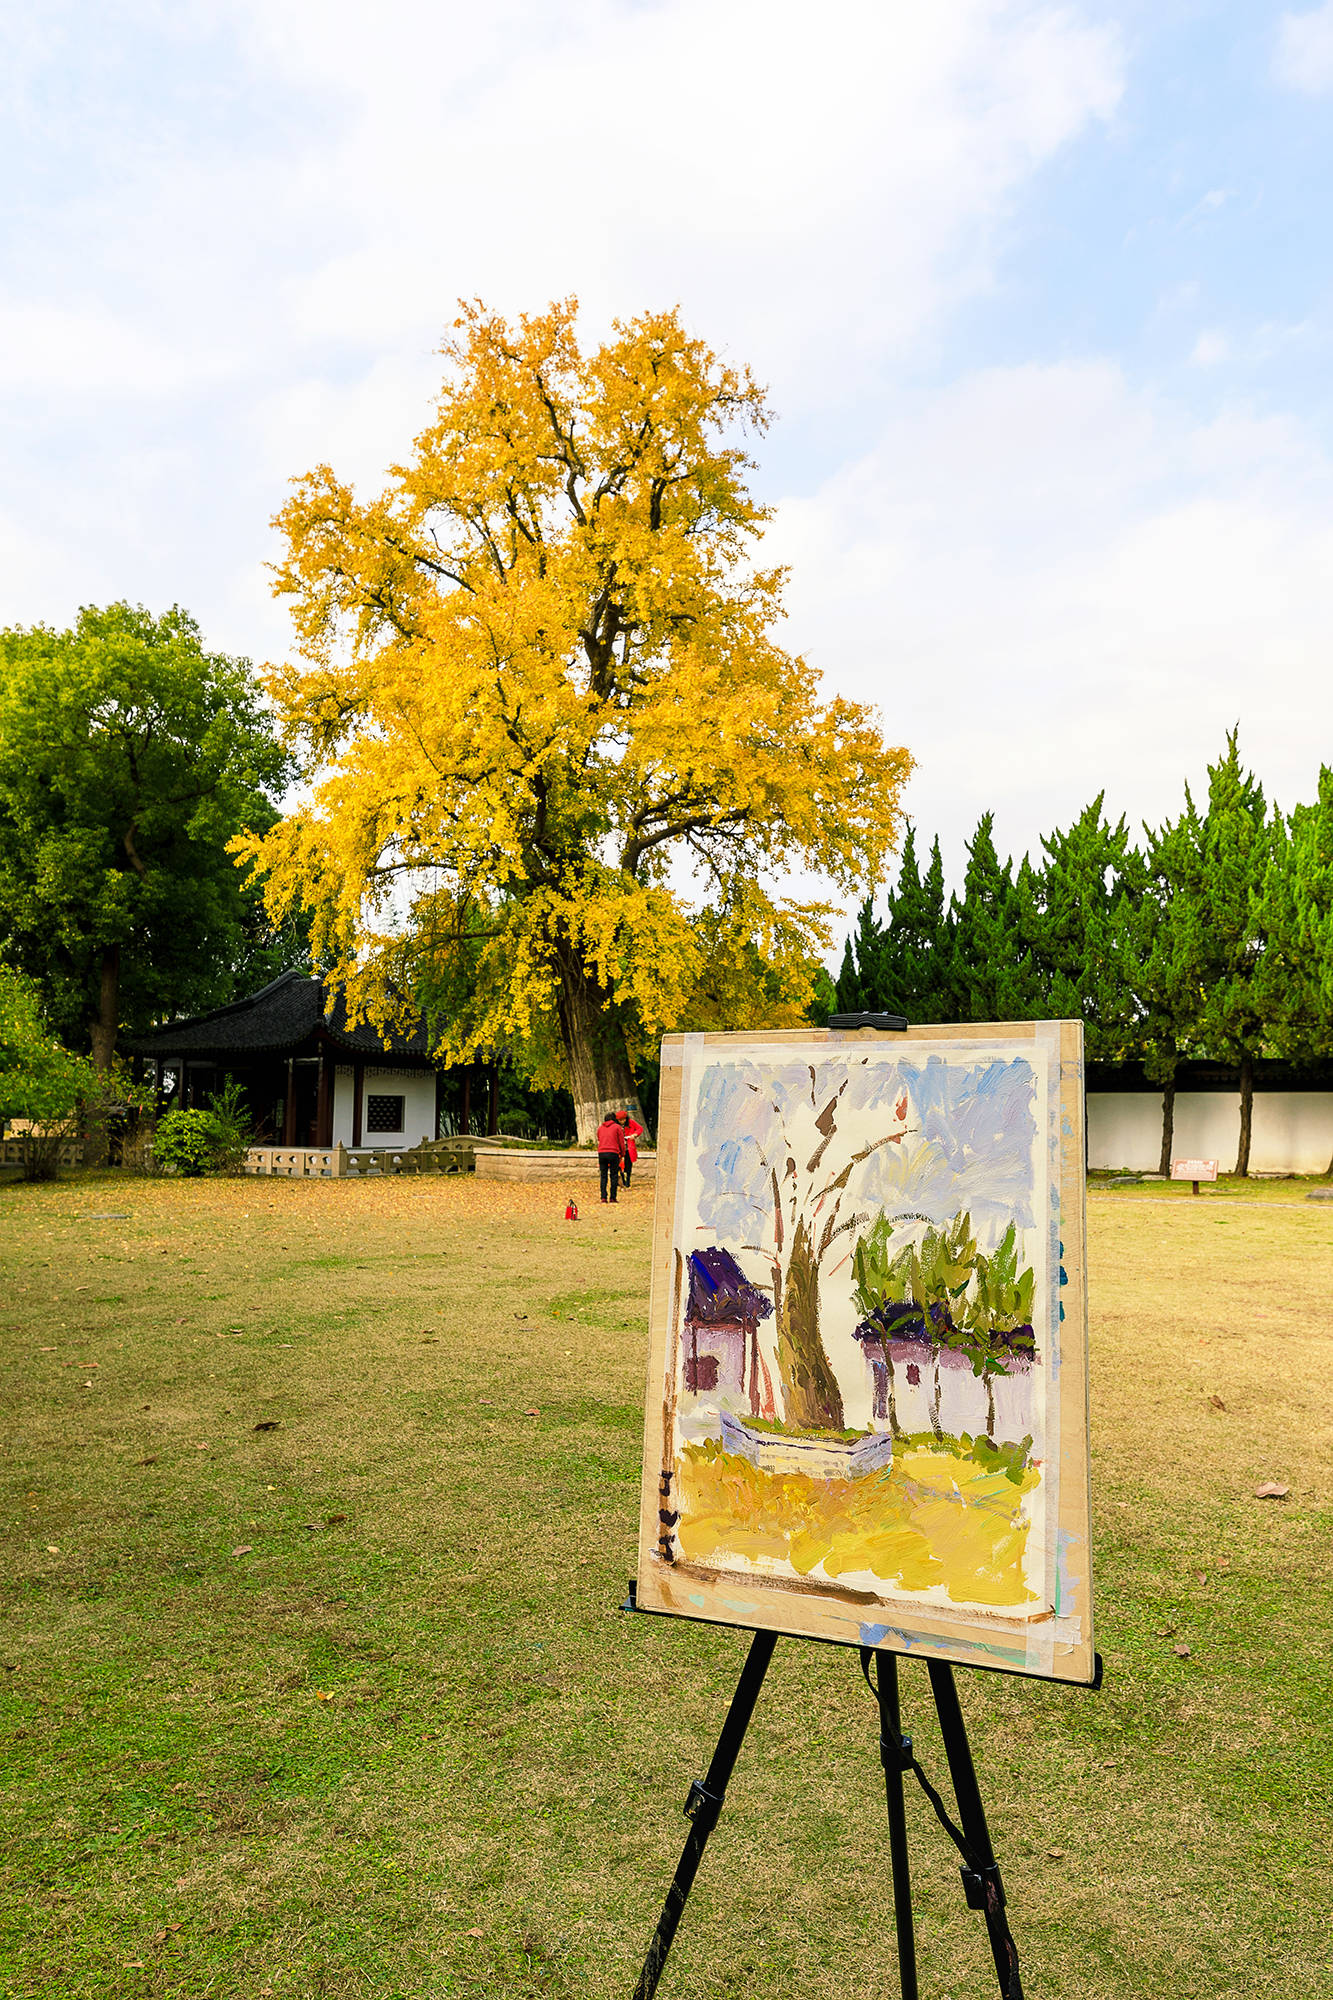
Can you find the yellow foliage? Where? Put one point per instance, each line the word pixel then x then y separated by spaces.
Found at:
pixel 538 667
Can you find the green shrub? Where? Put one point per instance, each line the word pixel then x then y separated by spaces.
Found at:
pixel 41 1083
pixel 229 1115
pixel 190 1142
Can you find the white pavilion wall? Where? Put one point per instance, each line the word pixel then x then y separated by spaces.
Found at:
pixel 415 1086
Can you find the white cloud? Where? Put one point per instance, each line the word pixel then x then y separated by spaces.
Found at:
pixel 1303 58
pixel 1051 584
pixel 819 198
pixel 62 350
pixel 256 216
pixel 1210 349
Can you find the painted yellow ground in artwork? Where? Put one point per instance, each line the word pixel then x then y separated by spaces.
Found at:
pixel 933 1517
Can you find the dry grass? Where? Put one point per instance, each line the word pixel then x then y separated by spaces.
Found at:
pixel 407 1745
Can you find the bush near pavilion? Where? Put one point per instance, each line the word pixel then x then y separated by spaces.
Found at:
pixel 42 1086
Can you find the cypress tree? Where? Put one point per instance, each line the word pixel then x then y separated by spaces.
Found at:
pixel 1295 976
pixel 916 941
pixel 1167 997
pixel 1216 865
pixel 858 982
pixel 1092 884
pixel 982 944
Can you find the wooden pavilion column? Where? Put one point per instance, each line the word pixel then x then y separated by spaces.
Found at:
pixel 465 1105
pixel 289 1107
pixel 324 1099
pixel 358 1085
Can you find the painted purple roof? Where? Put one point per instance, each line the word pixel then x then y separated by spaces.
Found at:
pixel 720 1290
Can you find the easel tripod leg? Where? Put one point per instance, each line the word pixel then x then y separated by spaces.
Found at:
pixel 895 1752
pixel 985 1891
pixel 704 1805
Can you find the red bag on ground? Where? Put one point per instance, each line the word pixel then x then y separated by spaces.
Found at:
pixel 571 1210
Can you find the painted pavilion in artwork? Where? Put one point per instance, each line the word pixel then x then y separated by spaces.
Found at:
pixel 721 1344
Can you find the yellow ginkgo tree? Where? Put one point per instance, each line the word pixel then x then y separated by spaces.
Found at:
pixel 559 764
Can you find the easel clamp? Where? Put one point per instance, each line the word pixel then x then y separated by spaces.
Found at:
pixel 702 1806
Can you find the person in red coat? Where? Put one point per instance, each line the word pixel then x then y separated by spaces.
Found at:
pixel 630 1130
pixel 610 1153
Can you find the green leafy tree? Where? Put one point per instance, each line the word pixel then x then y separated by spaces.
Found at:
pixel 41 1083
pixel 129 757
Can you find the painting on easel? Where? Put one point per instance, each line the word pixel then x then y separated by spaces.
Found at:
pixel 867 1402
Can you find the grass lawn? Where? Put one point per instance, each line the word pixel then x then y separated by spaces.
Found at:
pixel 319 1502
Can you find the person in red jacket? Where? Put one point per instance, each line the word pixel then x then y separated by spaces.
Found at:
pixel 610 1153
pixel 630 1130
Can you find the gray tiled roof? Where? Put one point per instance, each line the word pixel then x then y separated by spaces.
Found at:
pixel 281 1017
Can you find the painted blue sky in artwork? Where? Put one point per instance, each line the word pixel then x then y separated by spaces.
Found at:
pixel 968 1142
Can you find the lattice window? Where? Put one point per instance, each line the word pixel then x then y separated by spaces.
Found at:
pixel 385 1114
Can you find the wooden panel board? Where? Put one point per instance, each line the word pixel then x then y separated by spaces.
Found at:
pixel 905 1477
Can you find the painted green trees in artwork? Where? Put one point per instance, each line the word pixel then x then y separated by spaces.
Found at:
pixel 939 1297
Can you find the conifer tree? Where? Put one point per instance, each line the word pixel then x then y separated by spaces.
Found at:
pixel 1166 1000
pixel 982 945
pixel 921 937
pixel 903 965
pixel 1295 976
pixel 858 982
pixel 1215 863
pixel 1092 883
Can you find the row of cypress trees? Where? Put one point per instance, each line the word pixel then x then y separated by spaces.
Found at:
pixel 1213 938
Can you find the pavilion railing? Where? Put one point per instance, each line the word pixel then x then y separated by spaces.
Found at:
pixel 353 1162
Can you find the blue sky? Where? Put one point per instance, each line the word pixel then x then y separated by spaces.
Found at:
pixel 1043 294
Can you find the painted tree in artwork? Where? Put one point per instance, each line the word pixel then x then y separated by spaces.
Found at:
pixel 541 689
pixel 795 1167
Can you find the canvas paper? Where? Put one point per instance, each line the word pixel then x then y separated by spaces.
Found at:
pixel 867 1400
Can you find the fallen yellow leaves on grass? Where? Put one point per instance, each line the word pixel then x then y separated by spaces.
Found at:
pixel 933 1517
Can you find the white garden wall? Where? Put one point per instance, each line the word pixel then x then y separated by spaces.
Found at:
pixel 1293 1129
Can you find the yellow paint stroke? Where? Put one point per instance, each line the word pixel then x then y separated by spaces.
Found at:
pixel 932 1517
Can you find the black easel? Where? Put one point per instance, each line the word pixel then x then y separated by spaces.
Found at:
pixel 980 1871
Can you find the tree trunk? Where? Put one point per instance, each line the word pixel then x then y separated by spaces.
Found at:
pixel 1168 1127
pixel 895 1428
pixel 811 1396
pixel 600 1079
pixel 103 1031
pixel 1246 1114
pixel 990 1405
